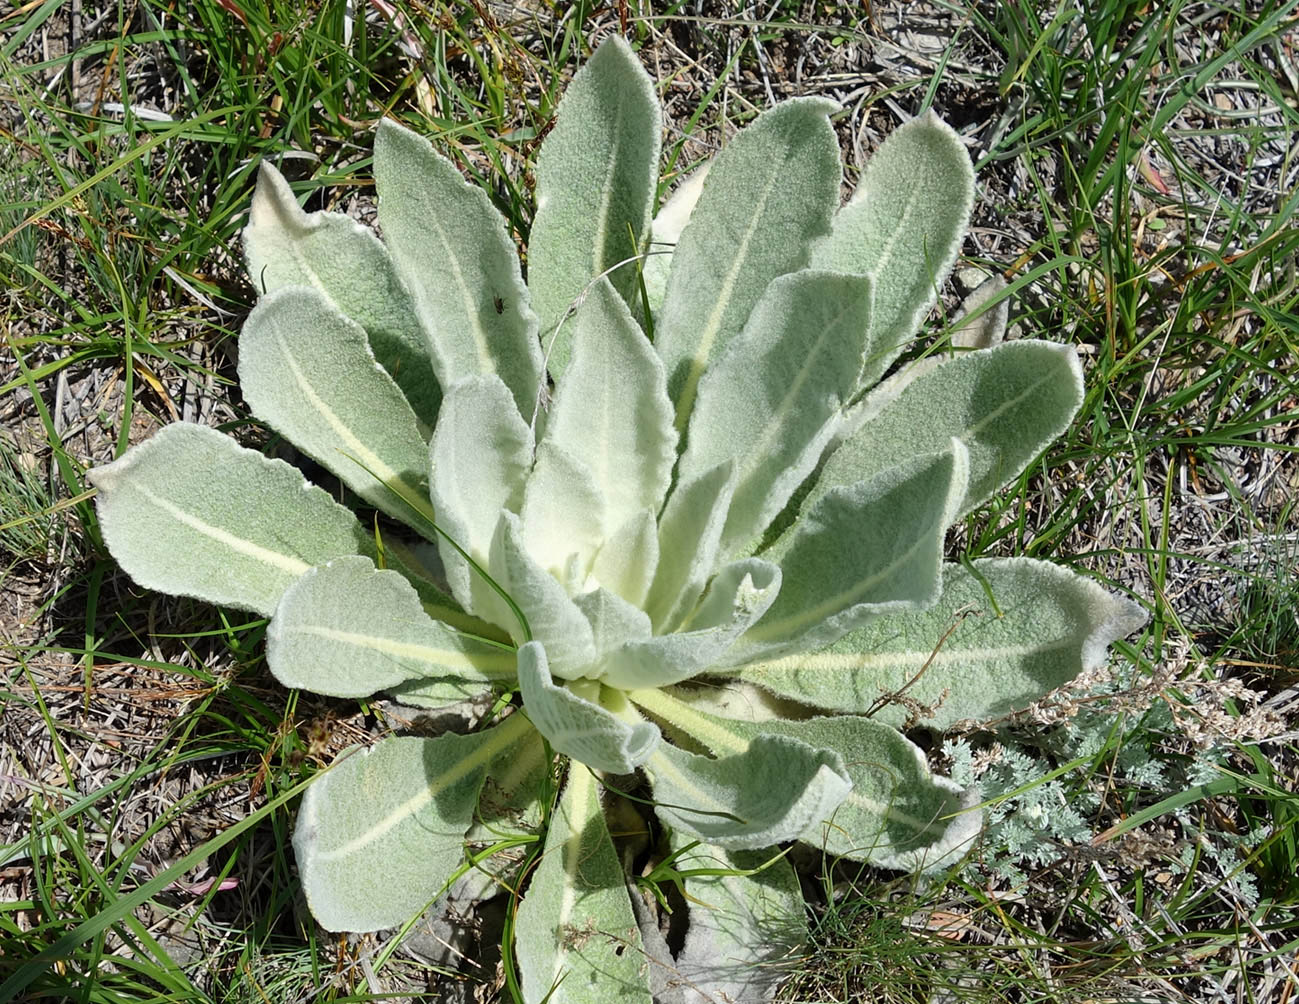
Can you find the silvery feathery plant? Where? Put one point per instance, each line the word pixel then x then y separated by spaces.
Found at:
pixel 724 512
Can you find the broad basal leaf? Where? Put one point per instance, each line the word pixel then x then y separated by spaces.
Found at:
pixel 769 193
pixel 421 565
pixel 903 227
pixel 575 724
pixel 510 805
pixel 192 513
pixel 348 629
pixel 453 251
pixel 334 254
pixel 576 938
pixel 965 658
pixel 897 814
pixel 769 400
pixel 1004 404
pixel 612 409
pixel 479 458
pixel 596 175
pixel 770 793
pixel 862 551
pixel 747 924
pixel 405 803
pixel 308 372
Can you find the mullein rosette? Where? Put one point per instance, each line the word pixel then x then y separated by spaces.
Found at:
pixel 727 509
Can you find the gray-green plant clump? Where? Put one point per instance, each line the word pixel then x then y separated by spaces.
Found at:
pixel 728 501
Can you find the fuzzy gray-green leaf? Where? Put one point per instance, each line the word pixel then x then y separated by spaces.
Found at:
pixel 453 251
pixel 192 513
pixel 770 793
pixel 1005 404
pixel 348 629
pixel 690 534
pixel 747 923
pixel 404 802
pixel 551 614
pixel 308 372
pixel 962 658
pixel 563 515
pixel 739 595
pixel 769 194
pixel 596 175
pixel 614 621
pixel 629 558
pixel 895 523
pixel 344 260
pixel 769 400
pixel 898 814
pixel 903 227
pixel 576 936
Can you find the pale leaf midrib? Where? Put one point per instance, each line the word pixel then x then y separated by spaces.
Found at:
pixel 680 714
pixel 886 811
pixel 489 666
pixel 599 253
pixel 886 253
pixel 831 662
pixel 277 559
pixel 362 452
pixel 313 276
pixel 367 459
pixel 1005 406
pixel 475 322
pixel 580 791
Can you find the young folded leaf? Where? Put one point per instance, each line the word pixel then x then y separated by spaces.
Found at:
pixel 773 397
pixel 576 724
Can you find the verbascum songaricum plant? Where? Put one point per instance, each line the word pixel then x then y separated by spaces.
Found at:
pixel 725 510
